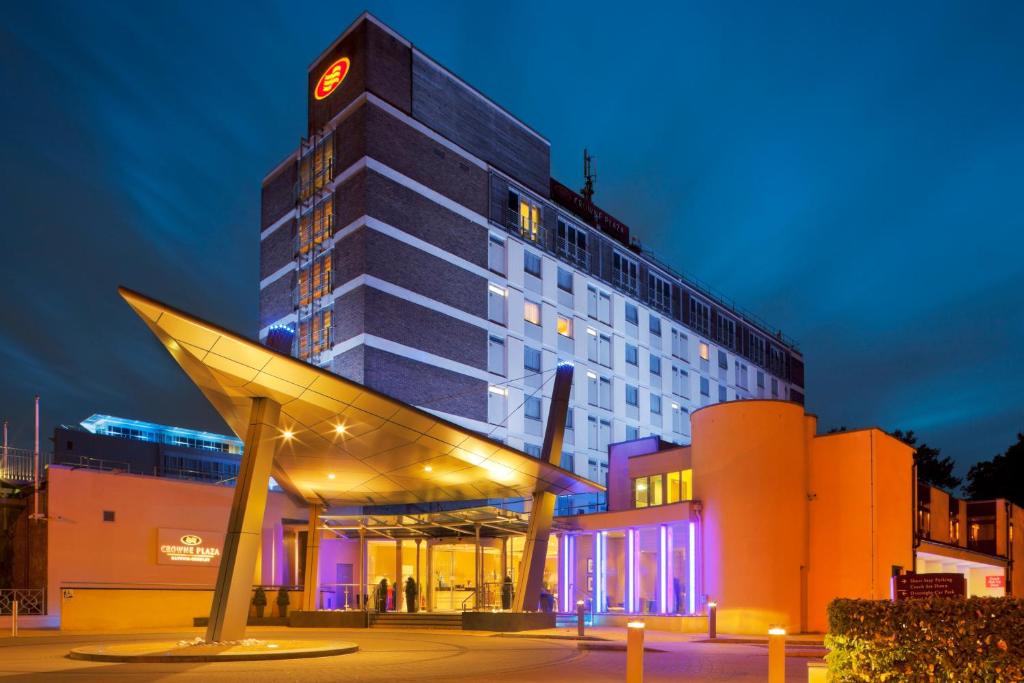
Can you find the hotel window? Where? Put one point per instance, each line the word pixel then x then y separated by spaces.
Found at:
pixel 315 226
pixel 632 355
pixel 316 167
pixel 741 375
pixel 565 280
pixel 757 349
pixel 531 449
pixel 624 272
pixel 531 408
pixel 524 214
pixel 681 382
pixel 640 485
pixel 496 355
pixel 705 352
pixel 632 433
pixel 632 395
pixel 531 263
pixel 604 434
pixel 705 387
pixel 659 291
pixel 631 314
pixel 679 344
pixel 314 281
pixel 722 395
pixel 672 492
pixel 531 359
pixel 777 362
pixel 593 389
pixel 700 316
pixel 496 254
pixel 497 405
pixel 599 347
pixel 531 312
pixel 775 388
pixel 564 326
pixel 496 298
pixel 726 331
pixel 760 380
pixel 655 365
pixel 723 360
pixel 604 308
pixel 679 419
pixel 571 243
pixel 655 404
pixel 654 325
pixel 568 462
pixel 606 393
pixel 656 489
pixel 315 334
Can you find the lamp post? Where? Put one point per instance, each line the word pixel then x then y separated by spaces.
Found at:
pixel 776 655
pixel 712 620
pixel 635 652
pixel 579 618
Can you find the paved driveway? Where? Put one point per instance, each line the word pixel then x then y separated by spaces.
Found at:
pixel 400 656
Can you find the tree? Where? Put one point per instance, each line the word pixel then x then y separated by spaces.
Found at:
pixel 931 469
pixel 1000 477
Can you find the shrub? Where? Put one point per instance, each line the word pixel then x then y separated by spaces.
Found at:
pixel 935 639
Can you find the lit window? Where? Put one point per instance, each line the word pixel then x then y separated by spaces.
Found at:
pixel 705 352
pixel 564 326
pixel 672 489
pixel 655 494
pixel 531 312
pixel 640 492
pixel 525 215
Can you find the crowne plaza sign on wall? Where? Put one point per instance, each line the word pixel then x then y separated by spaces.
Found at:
pixel 190 548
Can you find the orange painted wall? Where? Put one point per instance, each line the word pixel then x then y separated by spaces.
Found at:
pixel 749 464
pixel 85 550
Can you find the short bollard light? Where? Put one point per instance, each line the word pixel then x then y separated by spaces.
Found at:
pixel 712 620
pixel 14 618
pixel 579 618
pixel 635 652
pixel 776 655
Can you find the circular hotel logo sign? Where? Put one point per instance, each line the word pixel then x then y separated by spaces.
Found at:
pixel 191 539
pixel 332 78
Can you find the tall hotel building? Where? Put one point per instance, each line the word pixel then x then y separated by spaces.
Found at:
pixel 417 243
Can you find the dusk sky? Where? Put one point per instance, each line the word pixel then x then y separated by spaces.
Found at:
pixel 853 173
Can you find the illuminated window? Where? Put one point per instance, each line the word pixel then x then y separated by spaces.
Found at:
pixel 316 225
pixel 705 352
pixel 315 334
pixel 672 490
pixel 655 494
pixel 314 281
pixel 564 326
pixel 531 312
pixel 525 215
pixel 640 492
pixel 316 167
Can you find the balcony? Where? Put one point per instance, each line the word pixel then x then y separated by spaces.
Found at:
pixel 531 231
pixel 573 253
pixel 625 281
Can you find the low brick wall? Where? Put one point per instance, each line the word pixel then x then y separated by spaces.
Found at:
pixel 507 622
pixel 325 619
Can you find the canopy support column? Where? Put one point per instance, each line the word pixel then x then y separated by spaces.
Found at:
pixel 311 583
pixel 230 609
pixel 535 546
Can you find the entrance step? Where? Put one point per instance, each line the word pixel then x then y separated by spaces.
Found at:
pixel 445 620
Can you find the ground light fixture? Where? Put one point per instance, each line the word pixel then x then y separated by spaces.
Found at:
pixel 776 655
pixel 635 652
pixel 712 619
pixel 579 619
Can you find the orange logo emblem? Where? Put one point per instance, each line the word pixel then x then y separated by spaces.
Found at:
pixel 332 78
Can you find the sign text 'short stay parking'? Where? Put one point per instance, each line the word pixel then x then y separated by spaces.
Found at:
pixel 332 77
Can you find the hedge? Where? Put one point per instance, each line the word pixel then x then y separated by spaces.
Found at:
pixel 934 639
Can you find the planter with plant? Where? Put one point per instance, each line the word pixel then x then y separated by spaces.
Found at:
pixel 283 601
pixel 259 601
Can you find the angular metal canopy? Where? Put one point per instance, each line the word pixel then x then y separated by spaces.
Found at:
pixel 342 443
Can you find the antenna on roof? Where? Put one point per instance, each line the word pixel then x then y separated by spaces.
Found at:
pixel 589 176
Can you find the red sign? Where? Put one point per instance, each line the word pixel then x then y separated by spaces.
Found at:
pixel 332 78
pixel 586 210
pixel 928 586
pixel 995 582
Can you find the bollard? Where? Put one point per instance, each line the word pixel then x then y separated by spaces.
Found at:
pixel 579 618
pixel 776 655
pixel 635 652
pixel 14 618
pixel 712 620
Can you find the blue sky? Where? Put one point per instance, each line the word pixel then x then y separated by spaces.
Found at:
pixel 851 172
